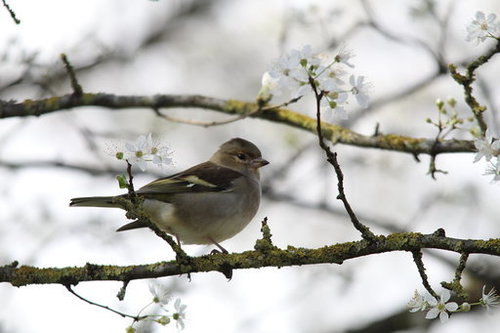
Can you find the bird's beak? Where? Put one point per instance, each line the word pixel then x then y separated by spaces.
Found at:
pixel 258 163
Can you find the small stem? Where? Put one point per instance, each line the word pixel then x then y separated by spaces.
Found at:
pixel 77 88
pixel 124 315
pixel 11 12
pixel 122 291
pixel 332 159
pixel 130 184
pixel 181 256
pixel 417 258
pixel 455 285
pixel 461 267
pixel 466 82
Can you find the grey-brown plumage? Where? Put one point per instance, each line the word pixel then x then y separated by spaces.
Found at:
pixel 207 203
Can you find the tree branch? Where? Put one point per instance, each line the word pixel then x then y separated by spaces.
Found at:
pixel 331 132
pixel 272 257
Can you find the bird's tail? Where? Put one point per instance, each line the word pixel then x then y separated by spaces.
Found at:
pixel 94 202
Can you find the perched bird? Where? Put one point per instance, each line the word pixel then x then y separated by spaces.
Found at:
pixel 205 204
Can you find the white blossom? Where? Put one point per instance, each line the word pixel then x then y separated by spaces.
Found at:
pixel 159 153
pixel 327 84
pixel 417 303
pixel 487 147
pixel 482 27
pixel 136 152
pixel 180 313
pixel 493 168
pixel 301 71
pixel 360 90
pixel 145 150
pixel 490 299
pixel 289 73
pixel 160 293
pixel 344 56
pixel 307 58
pixel 440 307
pixel 336 73
pixel 334 102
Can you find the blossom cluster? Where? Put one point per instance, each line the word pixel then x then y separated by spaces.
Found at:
pixel 145 150
pixel 483 27
pixel 161 297
pixel 440 307
pixel 301 71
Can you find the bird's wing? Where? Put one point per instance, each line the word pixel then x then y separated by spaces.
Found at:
pixel 204 177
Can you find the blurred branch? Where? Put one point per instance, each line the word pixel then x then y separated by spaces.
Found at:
pixel 77 88
pixel 58 164
pixel 407 40
pixel 156 35
pixel 403 321
pixel 437 55
pixel 273 257
pixel 331 132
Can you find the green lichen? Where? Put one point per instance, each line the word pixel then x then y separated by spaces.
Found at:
pixel 401 143
pixel 233 106
pixel 32 275
pixel 88 99
pixel 52 103
pixel 492 244
pixel 403 240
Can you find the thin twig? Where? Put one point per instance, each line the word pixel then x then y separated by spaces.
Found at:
pixel 203 123
pixel 461 267
pixel 122 291
pixel 417 258
pixel 466 82
pixel 332 159
pixel 130 184
pixel 222 122
pixel 11 12
pixel 433 169
pixel 136 212
pixel 77 88
pixel 456 284
pixel 124 315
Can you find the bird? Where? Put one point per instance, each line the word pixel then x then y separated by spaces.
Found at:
pixel 205 204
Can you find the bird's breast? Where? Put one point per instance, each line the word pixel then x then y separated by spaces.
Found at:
pixel 197 217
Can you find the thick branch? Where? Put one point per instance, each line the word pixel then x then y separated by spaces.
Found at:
pixel 331 132
pixel 272 257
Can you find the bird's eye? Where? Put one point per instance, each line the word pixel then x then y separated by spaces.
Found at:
pixel 241 156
